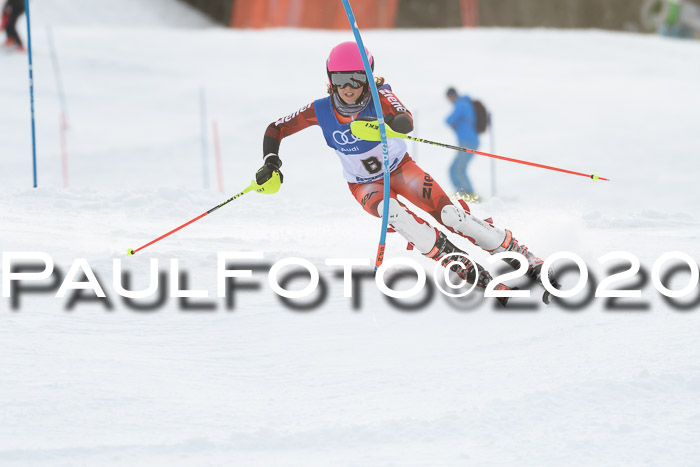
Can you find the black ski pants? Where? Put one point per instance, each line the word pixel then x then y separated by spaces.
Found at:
pixel 17 10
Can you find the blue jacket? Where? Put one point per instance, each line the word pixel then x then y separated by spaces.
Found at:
pixel 463 121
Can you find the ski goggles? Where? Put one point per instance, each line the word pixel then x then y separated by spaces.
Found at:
pixel 354 79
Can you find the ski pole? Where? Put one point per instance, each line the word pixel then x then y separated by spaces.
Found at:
pixel 369 131
pixel 269 187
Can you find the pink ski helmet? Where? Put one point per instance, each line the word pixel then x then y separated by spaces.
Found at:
pixel 346 57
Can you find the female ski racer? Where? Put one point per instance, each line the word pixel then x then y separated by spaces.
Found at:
pixel 350 99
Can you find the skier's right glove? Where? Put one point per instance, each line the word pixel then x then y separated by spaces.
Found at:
pixel 272 165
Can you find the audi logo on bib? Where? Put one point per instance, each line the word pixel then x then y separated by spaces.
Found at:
pixel 344 138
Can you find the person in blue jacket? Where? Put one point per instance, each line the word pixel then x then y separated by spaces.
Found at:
pixel 463 122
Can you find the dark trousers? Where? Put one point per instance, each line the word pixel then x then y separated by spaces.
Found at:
pixel 11 28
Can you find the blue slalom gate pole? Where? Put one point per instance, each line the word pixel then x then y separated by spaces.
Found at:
pixel 31 86
pixel 382 131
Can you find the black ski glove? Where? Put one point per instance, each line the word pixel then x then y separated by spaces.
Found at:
pixel 272 163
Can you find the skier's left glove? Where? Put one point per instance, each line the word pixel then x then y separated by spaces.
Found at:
pixel 403 122
pixel 272 164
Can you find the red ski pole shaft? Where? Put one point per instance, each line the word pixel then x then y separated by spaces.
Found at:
pixel 368 130
pixel 509 159
pixel 134 251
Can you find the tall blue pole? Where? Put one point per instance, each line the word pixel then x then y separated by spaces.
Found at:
pixel 382 131
pixel 31 86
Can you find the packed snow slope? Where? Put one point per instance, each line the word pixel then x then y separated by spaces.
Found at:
pixel 453 383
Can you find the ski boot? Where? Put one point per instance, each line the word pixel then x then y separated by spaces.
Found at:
pixel 534 267
pixel 469 271
pixel 534 264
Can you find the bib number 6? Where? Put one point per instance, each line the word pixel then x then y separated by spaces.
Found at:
pixel 372 165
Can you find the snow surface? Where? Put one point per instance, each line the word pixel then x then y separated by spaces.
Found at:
pixel 460 383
